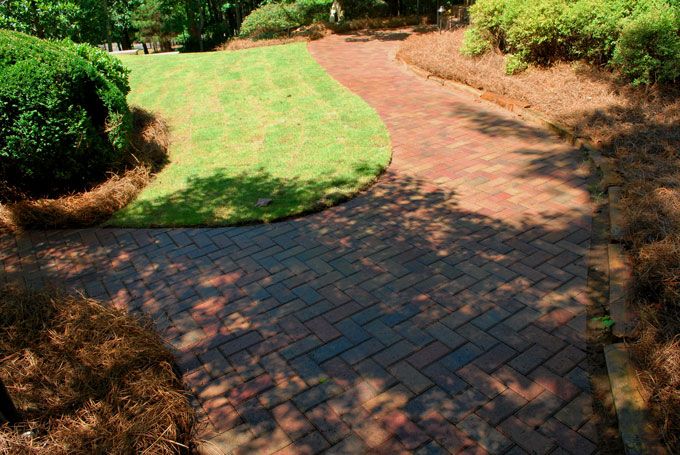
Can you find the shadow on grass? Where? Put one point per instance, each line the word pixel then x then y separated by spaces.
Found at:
pixel 224 198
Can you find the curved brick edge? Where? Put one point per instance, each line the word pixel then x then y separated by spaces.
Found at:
pixel 638 434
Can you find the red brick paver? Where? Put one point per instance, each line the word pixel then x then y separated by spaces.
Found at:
pixel 442 311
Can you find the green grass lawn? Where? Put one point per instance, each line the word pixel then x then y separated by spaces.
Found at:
pixel 259 123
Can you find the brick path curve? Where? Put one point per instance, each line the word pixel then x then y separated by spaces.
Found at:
pixel 442 311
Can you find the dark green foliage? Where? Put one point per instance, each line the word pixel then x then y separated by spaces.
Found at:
pixel 64 120
pixel 111 68
pixel 640 37
pixel 648 49
pixel 366 8
pixel 274 19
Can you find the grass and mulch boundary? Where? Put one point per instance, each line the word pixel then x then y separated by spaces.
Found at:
pixel 88 378
pixel 146 155
pixel 633 143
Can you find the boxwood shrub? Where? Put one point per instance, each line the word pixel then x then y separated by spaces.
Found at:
pixel 64 119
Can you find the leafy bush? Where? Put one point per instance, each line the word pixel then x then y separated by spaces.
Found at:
pixel 109 67
pixel 475 43
pixel 639 36
pixel 64 120
pixel 649 46
pixel 274 19
pixel 592 28
pixel 514 64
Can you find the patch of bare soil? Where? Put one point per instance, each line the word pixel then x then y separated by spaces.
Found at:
pixel 640 127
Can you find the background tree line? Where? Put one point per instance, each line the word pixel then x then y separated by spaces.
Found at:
pixel 197 24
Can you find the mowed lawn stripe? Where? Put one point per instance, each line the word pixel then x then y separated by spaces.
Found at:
pixel 258 123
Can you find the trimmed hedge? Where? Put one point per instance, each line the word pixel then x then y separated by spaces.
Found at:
pixel 275 19
pixel 639 37
pixel 64 119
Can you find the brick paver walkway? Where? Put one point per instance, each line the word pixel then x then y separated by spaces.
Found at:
pixel 441 311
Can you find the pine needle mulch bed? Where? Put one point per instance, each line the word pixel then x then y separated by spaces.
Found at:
pixel 640 128
pixel 88 378
pixel 146 155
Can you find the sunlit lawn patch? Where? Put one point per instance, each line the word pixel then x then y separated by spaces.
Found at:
pixel 259 123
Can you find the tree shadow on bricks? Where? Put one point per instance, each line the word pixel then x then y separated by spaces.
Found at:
pixel 395 321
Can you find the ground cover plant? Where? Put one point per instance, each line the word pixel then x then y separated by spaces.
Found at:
pixel 638 127
pixel 264 123
pixel 87 378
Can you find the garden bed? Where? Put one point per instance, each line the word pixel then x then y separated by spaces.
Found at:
pixel 639 128
pixel 88 378
pixel 147 153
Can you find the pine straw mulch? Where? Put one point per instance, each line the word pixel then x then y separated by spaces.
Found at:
pixel 641 129
pixel 88 378
pixel 306 33
pixel 319 30
pixel 147 154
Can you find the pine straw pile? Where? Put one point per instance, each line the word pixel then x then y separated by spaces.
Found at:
pixel 305 33
pixel 238 44
pixel 319 30
pixel 146 155
pixel 641 129
pixel 88 378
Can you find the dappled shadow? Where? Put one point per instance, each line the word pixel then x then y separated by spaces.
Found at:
pixel 229 198
pixel 376 35
pixel 330 311
pixel 443 308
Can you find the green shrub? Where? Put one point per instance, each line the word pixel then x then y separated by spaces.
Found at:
pixel 274 19
pixel 63 124
pixel 475 43
pixel 648 49
pixel 638 36
pixel 110 67
pixel 537 33
pixel 515 64
pixel 591 28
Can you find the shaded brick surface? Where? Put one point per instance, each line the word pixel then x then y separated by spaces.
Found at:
pixel 438 311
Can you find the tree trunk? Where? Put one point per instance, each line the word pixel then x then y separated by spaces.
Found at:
pixel 146 49
pixel 166 45
pixel 337 11
pixel 195 31
pixel 109 42
pixel 39 31
pixel 125 40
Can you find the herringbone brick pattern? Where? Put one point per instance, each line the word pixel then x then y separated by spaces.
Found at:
pixel 441 312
